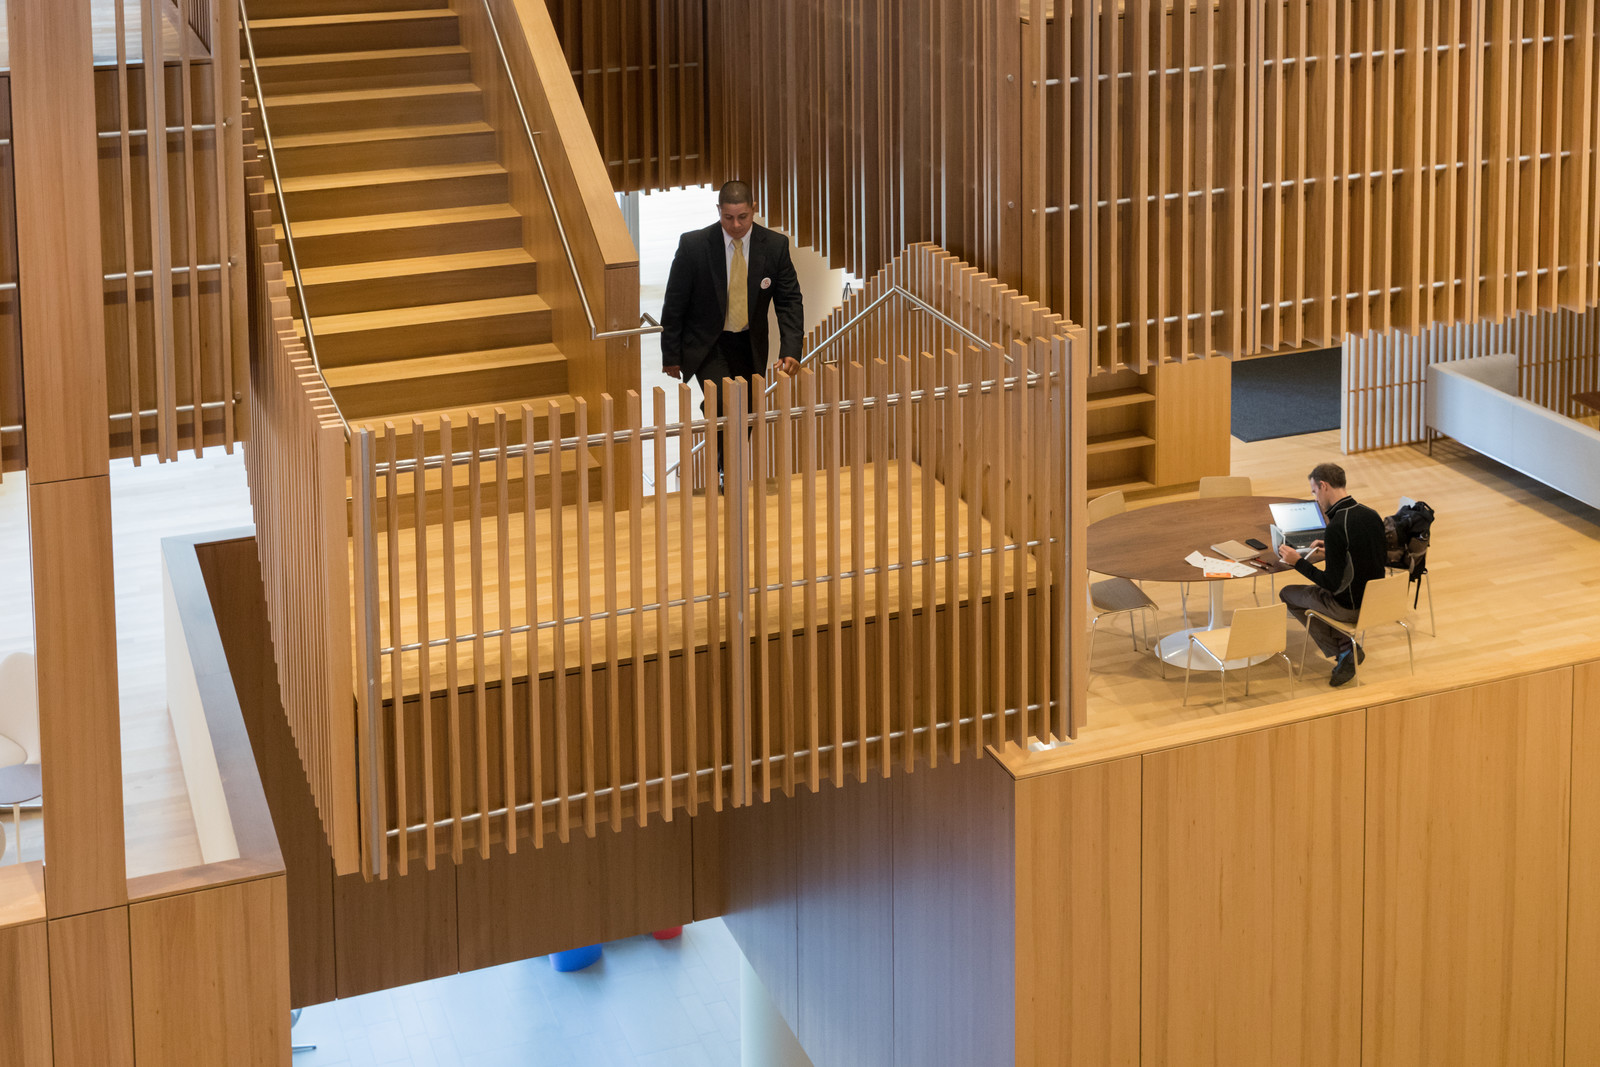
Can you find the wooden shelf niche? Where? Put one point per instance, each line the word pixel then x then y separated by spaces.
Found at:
pixel 1167 427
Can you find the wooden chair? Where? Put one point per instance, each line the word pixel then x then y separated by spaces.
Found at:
pixel 1253 632
pixel 1106 505
pixel 1225 485
pixel 1383 602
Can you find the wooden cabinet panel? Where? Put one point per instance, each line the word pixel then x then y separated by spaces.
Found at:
pixel 25 992
pixel 585 892
pixel 1077 917
pixel 1466 875
pixel 395 931
pixel 1252 898
pixel 211 976
pixel 80 732
pixel 1583 908
pixel 91 993
pixel 1194 410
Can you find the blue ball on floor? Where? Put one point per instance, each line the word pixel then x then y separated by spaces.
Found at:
pixel 575 959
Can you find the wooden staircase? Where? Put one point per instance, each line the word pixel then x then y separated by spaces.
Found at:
pixel 424 300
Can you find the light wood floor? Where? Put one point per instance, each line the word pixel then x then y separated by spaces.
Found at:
pixel 148 503
pixel 1515 568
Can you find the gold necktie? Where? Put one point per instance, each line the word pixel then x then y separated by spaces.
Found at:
pixel 738 291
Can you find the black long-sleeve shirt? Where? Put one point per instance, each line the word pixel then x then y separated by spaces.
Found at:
pixel 1354 552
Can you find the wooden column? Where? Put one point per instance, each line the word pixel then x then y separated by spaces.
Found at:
pixel 69 497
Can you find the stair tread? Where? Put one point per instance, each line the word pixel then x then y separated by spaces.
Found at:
pixel 362 135
pixel 430 419
pixel 407 268
pixel 427 366
pixel 401 219
pixel 359 321
pixel 350 18
pixel 356 179
pixel 336 58
pixel 386 92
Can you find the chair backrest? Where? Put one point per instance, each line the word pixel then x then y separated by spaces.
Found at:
pixel 1259 631
pixel 19 703
pixel 1225 485
pixel 1106 505
pixel 1384 600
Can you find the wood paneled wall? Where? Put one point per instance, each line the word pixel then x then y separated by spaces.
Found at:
pixel 1385 375
pixel 1181 179
pixel 1372 885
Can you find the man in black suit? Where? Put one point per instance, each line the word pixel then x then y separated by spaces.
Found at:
pixel 714 318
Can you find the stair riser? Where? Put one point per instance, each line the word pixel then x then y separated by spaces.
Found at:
pixel 408 242
pixel 314 76
pixel 439 287
pixel 436 339
pixel 406 502
pixel 298 9
pixel 477 147
pixel 465 191
pixel 319 38
pixel 424 109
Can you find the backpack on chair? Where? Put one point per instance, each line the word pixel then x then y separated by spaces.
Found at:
pixel 1407 534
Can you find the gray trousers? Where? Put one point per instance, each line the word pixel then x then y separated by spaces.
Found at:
pixel 1300 598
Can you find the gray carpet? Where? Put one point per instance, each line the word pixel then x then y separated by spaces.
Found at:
pixel 1282 396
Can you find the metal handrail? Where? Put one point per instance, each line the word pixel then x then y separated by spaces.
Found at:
pixel 595 333
pixel 283 208
pixel 893 290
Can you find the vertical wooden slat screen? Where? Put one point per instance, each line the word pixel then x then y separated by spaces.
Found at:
pixel 173 240
pixel 1182 179
pixel 639 69
pixel 1558 354
pixel 832 516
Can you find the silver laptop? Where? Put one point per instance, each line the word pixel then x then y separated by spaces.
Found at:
pixel 1297 524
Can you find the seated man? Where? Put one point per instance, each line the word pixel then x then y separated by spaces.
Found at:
pixel 1354 551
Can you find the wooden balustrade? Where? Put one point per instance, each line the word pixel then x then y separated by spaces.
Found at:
pixel 173 230
pixel 546 648
pixel 296 467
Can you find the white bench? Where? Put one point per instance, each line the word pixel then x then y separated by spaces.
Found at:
pixel 1475 401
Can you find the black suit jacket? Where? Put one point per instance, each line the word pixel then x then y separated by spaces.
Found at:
pixel 696 306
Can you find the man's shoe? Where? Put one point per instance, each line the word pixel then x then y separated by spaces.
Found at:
pixel 1344 669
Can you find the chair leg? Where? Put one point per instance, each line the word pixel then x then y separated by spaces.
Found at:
pixel 1222 671
pixel 1411 652
pixel 1433 627
pixel 1186 668
pixel 1289 667
pixel 1093 623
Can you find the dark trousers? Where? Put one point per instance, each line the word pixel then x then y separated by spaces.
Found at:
pixel 1301 598
pixel 730 357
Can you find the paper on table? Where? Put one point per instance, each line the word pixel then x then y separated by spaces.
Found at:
pixel 1214 567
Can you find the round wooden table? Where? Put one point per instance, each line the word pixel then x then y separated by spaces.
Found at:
pixel 1149 545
